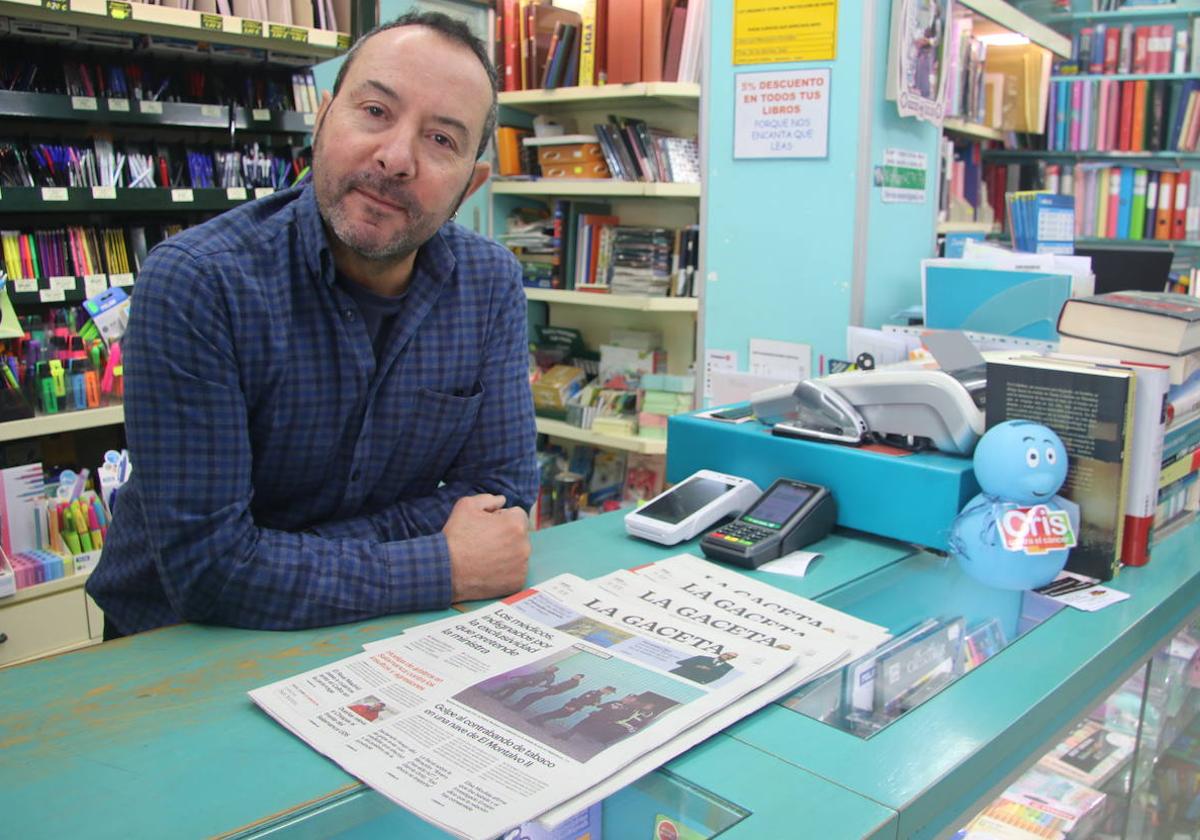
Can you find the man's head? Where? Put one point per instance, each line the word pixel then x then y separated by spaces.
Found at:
pixel 396 149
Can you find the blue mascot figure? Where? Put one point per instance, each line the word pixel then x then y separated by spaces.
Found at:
pixel 1017 533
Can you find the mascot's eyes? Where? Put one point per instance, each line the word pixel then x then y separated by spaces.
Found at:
pixel 1031 457
pixel 1051 457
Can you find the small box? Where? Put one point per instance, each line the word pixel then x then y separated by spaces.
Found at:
pixel 569 156
pixel 557 385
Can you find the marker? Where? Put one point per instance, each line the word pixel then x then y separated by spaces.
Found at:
pixel 94 529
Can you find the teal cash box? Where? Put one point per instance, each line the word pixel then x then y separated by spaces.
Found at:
pixel 911 497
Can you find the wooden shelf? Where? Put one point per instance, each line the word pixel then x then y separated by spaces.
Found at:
pixel 144 19
pixel 1014 20
pixel 682 94
pixel 125 199
pixel 68 421
pixel 1120 77
pixel 972 130
pixel 596 187
pixel 967 227
pixel 41 590
pixel 1101 242
pixel 638 303
pixel 559 429
pixel 1040 154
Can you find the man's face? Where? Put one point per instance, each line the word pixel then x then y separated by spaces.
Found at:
pixel 394 151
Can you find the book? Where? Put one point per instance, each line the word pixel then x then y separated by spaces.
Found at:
pixel 1179 367
pixel 1155 321
pixel 1090 407
pixel 1090 755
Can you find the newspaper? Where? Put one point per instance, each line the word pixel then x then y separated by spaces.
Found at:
pixel 754 601
pixel 483 721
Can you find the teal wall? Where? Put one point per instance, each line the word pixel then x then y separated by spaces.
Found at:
pixel 782 233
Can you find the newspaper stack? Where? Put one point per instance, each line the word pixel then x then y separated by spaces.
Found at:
pixel 547 702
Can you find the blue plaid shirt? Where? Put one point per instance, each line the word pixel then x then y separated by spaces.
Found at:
pixel 282 477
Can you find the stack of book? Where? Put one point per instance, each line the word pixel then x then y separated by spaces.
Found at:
pixel 568 43
pixel 1159 330
pixel 641 261
pixel 966 57
pixel 1123 116
pixel 1127 48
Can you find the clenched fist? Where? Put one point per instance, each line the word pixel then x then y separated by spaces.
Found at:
pixel 489 548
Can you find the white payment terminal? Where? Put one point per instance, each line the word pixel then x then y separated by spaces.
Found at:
pixel 694 505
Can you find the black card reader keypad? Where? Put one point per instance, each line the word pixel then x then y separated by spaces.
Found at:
pixel 741 533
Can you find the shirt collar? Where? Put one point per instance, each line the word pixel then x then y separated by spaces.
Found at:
pixel 435 258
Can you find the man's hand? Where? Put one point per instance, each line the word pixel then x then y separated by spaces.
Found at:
pixel 489 548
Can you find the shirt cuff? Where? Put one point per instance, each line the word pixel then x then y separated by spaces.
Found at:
pixel 419 573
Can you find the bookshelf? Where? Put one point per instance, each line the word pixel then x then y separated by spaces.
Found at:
pixel 67 421
pixel 673 107
pixel 989 20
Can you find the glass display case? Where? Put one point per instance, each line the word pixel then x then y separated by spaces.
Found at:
pixel 1129 769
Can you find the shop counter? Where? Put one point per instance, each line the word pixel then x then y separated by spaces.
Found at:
pixel 154 736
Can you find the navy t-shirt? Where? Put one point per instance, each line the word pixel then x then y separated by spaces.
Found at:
pixel 378 311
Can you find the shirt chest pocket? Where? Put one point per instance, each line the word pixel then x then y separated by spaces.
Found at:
pixel 437 427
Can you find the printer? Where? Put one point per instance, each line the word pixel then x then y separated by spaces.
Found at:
pixel 915 405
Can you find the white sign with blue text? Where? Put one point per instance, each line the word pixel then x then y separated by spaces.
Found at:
pixel 782 114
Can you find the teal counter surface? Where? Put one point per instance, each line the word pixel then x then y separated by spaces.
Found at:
pixel 154 736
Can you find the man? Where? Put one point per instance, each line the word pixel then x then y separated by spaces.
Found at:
pixel 521 681
pixel 327 403
pixel 704 669
pixel 579 701
pixel 549 691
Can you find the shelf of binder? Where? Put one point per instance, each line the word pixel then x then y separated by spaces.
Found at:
pixel 637 303
pixel 969 129
pixel 1007 17
pixel 565 431
pixel 119 111
pixel 124 199
pixel 595 187
pixel 64 289
pixel 682 94
pixel 1042 154
pixel 146 19
pixel 68 421
pixel 1148 12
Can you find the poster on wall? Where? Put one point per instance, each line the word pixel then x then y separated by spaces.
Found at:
pixel 902 177
pixel 917 60
pixel 776 31
pixel 782 115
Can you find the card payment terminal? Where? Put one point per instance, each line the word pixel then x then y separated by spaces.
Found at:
pixel 788 516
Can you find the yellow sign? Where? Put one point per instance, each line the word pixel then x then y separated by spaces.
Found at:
pixel 252 27
pixel 773 31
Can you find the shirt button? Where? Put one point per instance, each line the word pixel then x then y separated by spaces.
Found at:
pixel 349 313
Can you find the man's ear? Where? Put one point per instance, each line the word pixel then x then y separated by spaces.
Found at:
pixel 483 171
pixel 322 109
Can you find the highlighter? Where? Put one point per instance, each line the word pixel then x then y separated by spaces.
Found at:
pixel 72 540
pixel 94 529
pixel 59 376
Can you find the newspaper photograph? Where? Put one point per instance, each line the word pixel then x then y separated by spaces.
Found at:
pixel 484 721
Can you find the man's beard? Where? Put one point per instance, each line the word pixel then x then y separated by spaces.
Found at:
pixel 420 228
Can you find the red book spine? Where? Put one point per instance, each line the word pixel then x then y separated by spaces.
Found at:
pixel 1125 138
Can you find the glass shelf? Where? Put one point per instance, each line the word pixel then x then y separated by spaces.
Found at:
pixel 991 619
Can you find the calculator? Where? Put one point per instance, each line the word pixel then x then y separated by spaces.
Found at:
pixel 788 516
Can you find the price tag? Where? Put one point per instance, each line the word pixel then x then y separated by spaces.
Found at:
pixel 118 105
pixel 84 103
pixel 343 41
pixel 310 119
pixel 57 5
pixel 147 107
pixel 295 34
pixel 108 193
pixel 25 284
pixel 212 23
pixel 235 193
pixel 121 280
pixel 62 283
pixel 51 296
pixel 182 196
pixel 263 192
pixel 252 27
pixel 210 111
pixel 261 114
pixel 55 194
pixel 94 284
pixel 119 10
